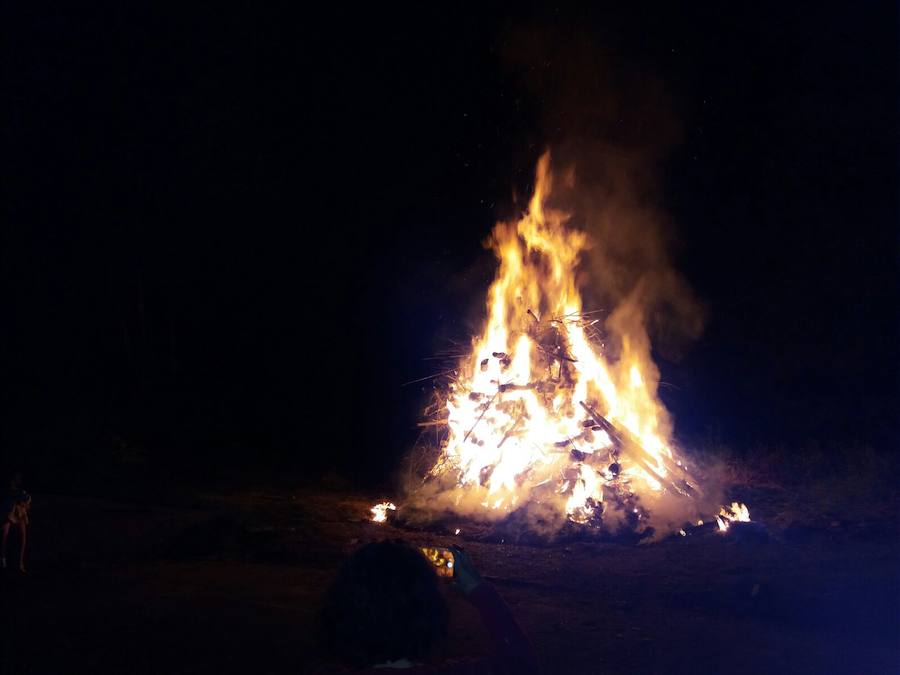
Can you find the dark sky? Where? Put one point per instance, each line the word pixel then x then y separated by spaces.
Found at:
pixel 230 234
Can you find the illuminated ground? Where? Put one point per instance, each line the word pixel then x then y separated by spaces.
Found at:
pixel 227 583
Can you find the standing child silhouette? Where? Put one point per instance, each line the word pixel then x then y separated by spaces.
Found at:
pixel 15 512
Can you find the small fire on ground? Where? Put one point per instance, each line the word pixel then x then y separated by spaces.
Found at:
pixel 380 511
pixel 736 513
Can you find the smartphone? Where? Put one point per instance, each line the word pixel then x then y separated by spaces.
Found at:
pixel 441 558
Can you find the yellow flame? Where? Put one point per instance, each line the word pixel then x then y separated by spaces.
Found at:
pixel 736 513
pixel 379 511
pixel 516 415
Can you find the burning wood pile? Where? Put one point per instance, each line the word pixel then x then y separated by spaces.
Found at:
pixel 542 418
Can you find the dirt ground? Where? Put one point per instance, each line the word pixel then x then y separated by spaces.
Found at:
pixel 230 582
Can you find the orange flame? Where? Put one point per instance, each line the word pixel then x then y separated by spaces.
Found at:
pixel 736 513
pixel 379 511
pixel 539 412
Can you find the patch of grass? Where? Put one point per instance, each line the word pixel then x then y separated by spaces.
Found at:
pixel 823 483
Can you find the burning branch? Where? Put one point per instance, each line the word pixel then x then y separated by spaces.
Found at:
pixel 486 408
pixel 640 455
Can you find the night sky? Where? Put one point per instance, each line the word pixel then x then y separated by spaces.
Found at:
pixel 231 235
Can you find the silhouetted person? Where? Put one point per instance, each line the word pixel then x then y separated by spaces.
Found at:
pixel 385 611
pixel 15 514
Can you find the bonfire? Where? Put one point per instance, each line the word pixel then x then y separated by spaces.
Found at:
pixel 541 419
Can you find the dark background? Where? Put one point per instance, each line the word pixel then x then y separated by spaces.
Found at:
pixel 231 235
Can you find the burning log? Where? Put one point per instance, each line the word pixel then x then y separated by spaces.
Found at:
pixel 511 386
pixel 433 423
pixel 624 438
pixel 603 424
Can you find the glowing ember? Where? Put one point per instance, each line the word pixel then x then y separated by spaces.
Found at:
pixel 379 511
pixel 542 413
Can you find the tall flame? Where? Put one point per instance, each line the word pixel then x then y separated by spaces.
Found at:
pixel 538 412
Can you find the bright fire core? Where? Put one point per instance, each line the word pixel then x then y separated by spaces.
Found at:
pixel 539 415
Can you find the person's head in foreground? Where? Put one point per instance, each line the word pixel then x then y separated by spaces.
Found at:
pixel 384 606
